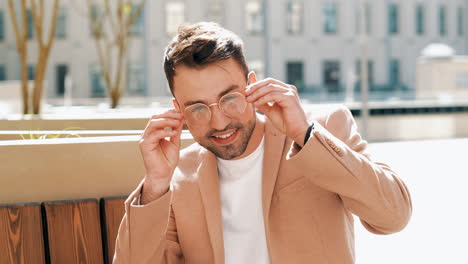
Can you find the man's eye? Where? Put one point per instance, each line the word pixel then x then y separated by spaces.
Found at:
pixel 229 98
pixel 198 108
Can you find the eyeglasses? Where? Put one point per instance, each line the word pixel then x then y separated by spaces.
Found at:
pixel 231 105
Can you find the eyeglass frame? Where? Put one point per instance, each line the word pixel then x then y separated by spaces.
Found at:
pixel 218 104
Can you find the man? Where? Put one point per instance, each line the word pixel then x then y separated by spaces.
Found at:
pixel 274 188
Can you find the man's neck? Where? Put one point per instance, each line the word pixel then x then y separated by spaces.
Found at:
pixel 255 139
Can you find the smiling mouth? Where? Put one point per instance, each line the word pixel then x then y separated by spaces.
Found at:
pixel 225 138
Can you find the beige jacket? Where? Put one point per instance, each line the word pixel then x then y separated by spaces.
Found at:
pixel 308 195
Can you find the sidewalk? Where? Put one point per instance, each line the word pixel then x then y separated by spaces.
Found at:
pixel 437 175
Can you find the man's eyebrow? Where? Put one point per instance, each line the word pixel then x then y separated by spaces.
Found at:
pixel 226 91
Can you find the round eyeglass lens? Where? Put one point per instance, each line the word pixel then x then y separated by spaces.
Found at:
pixel 233 104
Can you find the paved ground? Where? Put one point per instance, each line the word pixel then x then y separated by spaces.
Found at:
pixel 436 173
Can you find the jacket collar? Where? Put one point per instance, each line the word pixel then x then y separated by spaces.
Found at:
pixel 210 191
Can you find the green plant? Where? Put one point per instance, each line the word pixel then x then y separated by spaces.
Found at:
pixel 44 136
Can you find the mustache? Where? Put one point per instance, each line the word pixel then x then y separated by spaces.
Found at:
pixel 229 127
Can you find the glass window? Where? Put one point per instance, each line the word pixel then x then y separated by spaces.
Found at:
pixel 460 21
pixel 370 74
pixel 330 15
pixel 393 19
pixel 3 76
pixel 442 21
pixel 368 18
pixel 95 26
pixel 254 17
pixel 137 28
pixel 98 88
pixel 294 17
pixel 331 75
pixel 61 29
pixel 394 73
pixel 175 15
pixel 29 17
pixel 295 74
pixel 215 12
pixel 61 72
pixel 136 80
pixel 420 19
pixel 31 72
pixel 2 26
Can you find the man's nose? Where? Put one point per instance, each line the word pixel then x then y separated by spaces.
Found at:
pixel 219 120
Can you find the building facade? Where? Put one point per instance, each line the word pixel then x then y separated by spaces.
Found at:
pixel 312 44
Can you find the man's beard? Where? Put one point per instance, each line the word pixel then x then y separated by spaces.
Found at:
pixel 235 149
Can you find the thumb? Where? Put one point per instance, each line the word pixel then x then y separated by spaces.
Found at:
pixel 265 108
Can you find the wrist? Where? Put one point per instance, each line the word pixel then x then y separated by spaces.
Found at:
pixel 302 139
pixel 299 139
pixel 154 189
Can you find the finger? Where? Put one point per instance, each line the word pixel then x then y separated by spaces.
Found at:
pixel 176 138
pixel 262 91
pixel 276 97
pixel 162 123
pixel 168 114
pixel 252 87
pixel 157 136
pixel 294 88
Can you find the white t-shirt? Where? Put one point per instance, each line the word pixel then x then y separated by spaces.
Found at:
pixel 242 213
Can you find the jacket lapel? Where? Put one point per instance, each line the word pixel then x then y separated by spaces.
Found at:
pixel 274 144
pixel 209 188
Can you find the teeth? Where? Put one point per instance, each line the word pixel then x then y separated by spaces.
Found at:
pixel 225 136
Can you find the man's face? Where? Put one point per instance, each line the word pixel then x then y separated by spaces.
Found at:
pixel 207 86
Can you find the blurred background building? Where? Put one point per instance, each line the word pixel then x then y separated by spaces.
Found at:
pixel 312 44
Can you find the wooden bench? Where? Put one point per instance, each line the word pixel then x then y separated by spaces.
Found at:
pixel 68 231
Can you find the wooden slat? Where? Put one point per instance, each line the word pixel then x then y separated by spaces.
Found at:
pixel 74 231
pixel 113 210
pixel 21 238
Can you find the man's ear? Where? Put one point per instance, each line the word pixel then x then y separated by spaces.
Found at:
pixel 176 104
pixel 251 77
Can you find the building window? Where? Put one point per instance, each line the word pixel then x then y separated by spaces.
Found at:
pixel 137 27
pixel 370 74
pixel 215 12
pixel 175 15
pixel 294 17
pixel 96 21
pixel 442 21
pixel 258 67
pixel 98 88
pixel 61 29
pixel 394 73
pixel 330 15
pixel 136 80
pixel 368 18
pixel 31 72
pixel 295 74
pixel 254 17
pixel 61 72
pixel 331 75
pixel 29 18
pixel 3 76
pixel 2 26
pixel 393 19
pixel 420 19
pixel 460 21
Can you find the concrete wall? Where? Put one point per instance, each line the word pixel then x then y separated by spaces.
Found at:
pixel 70 168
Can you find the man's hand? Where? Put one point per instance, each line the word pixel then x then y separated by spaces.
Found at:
pixel 286 112
pixel 160 156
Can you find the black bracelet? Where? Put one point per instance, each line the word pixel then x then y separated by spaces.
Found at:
pixel 309 130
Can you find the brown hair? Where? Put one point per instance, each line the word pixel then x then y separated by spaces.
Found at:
pixel 201 44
